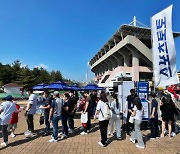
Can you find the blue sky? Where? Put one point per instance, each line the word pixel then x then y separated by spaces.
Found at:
pixel 65 34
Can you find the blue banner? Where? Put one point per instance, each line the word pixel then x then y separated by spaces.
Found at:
pixel 143 92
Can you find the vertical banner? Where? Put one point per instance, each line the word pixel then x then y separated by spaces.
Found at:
pixel 163 49
pixel 143 91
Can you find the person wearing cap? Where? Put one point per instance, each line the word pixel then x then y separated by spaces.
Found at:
pixel 6 110
pixel 30 112
pixel 55 115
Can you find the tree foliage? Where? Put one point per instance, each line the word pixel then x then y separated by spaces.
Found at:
pixel 26 77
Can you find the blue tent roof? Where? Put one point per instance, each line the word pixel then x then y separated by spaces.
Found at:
pixel 57 86
pixel 40 86
pixel 74 87
pixel 92 87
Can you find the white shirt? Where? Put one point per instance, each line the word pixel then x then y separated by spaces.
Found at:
pixel 139 113
pixel 7 109
pixel 100 108
pixel 32 101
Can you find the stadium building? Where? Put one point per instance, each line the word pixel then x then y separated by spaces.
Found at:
pixel 125 56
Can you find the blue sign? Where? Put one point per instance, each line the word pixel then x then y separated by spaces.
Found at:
pixel 143 91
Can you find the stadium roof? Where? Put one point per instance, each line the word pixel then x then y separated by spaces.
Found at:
pixel 142 33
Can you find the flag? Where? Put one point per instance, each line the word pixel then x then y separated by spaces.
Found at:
pixel 163 49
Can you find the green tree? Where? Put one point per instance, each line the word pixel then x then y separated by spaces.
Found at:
pixel 5 74
pixel 16 67
pixel 56 76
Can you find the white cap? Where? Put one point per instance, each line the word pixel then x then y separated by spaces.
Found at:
pixel 56 92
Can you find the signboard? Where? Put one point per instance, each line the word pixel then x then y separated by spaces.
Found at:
pixel 163 49
pixel 123 92
pixel 143 91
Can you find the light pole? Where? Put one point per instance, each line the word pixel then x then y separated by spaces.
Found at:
pixel 87 72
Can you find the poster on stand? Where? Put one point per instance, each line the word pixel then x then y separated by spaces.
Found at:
pixel 123 91
pixel 143 91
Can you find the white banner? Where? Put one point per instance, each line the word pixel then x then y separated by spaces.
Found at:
pixel 163 49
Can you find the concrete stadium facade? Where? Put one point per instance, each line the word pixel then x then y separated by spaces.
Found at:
pixel 126 56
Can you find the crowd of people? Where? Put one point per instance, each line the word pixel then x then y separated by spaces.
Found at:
pixel 107 108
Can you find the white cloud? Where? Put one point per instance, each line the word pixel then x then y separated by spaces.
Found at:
pixel 23 65
pixel 42 66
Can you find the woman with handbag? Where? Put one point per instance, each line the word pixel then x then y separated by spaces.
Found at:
pixel 137 112
pixel 115 107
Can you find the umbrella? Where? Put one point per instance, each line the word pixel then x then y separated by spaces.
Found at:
pixel 57 86
pixel 92 87
pixel 74 87
pixel 40 86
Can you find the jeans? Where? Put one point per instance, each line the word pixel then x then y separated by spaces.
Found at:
pixel 136 134
pixel 30 122
pixel 4 132
pixel 64 124
pixel 115 120
pixel 154 126
pixel 71 121
pixel 46 119
pixel 55 120
pixel 103 125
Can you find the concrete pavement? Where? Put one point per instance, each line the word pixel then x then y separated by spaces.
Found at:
pixel 86 144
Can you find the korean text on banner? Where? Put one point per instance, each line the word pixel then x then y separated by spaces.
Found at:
pixel 163 48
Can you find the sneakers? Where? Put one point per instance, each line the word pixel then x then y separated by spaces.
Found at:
pixel 101 144
pixel 28 134
pixel 83 133
pixel 12 135
pixel 71 131
pixel 4 144
pixel 119 138
pixel 133 141
pixel 88 131
pixel 152 138
pixel 173 134
pixel 59 134
pixel 52 140
pixel 63 136
pixel 141 147
pixel 110 134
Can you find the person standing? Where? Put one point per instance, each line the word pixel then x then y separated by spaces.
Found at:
pixel 6 110
pixel 72 109
pixel 30 112
pixel 115 107
pixel 168 110
pixel 88 110
pixel 93 96
pixel 14 120
pixel 154 117
pixel 65 115
pixel 137 112
pixel 103 124
pixel 46 108
pixel 55 115
pixel 129 106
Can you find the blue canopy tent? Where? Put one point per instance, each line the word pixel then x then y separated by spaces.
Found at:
pixel 57 86
pixel 40 86
pixel 92 87
pixel 74 87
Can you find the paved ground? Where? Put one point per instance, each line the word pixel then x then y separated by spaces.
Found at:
pixel 87 144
